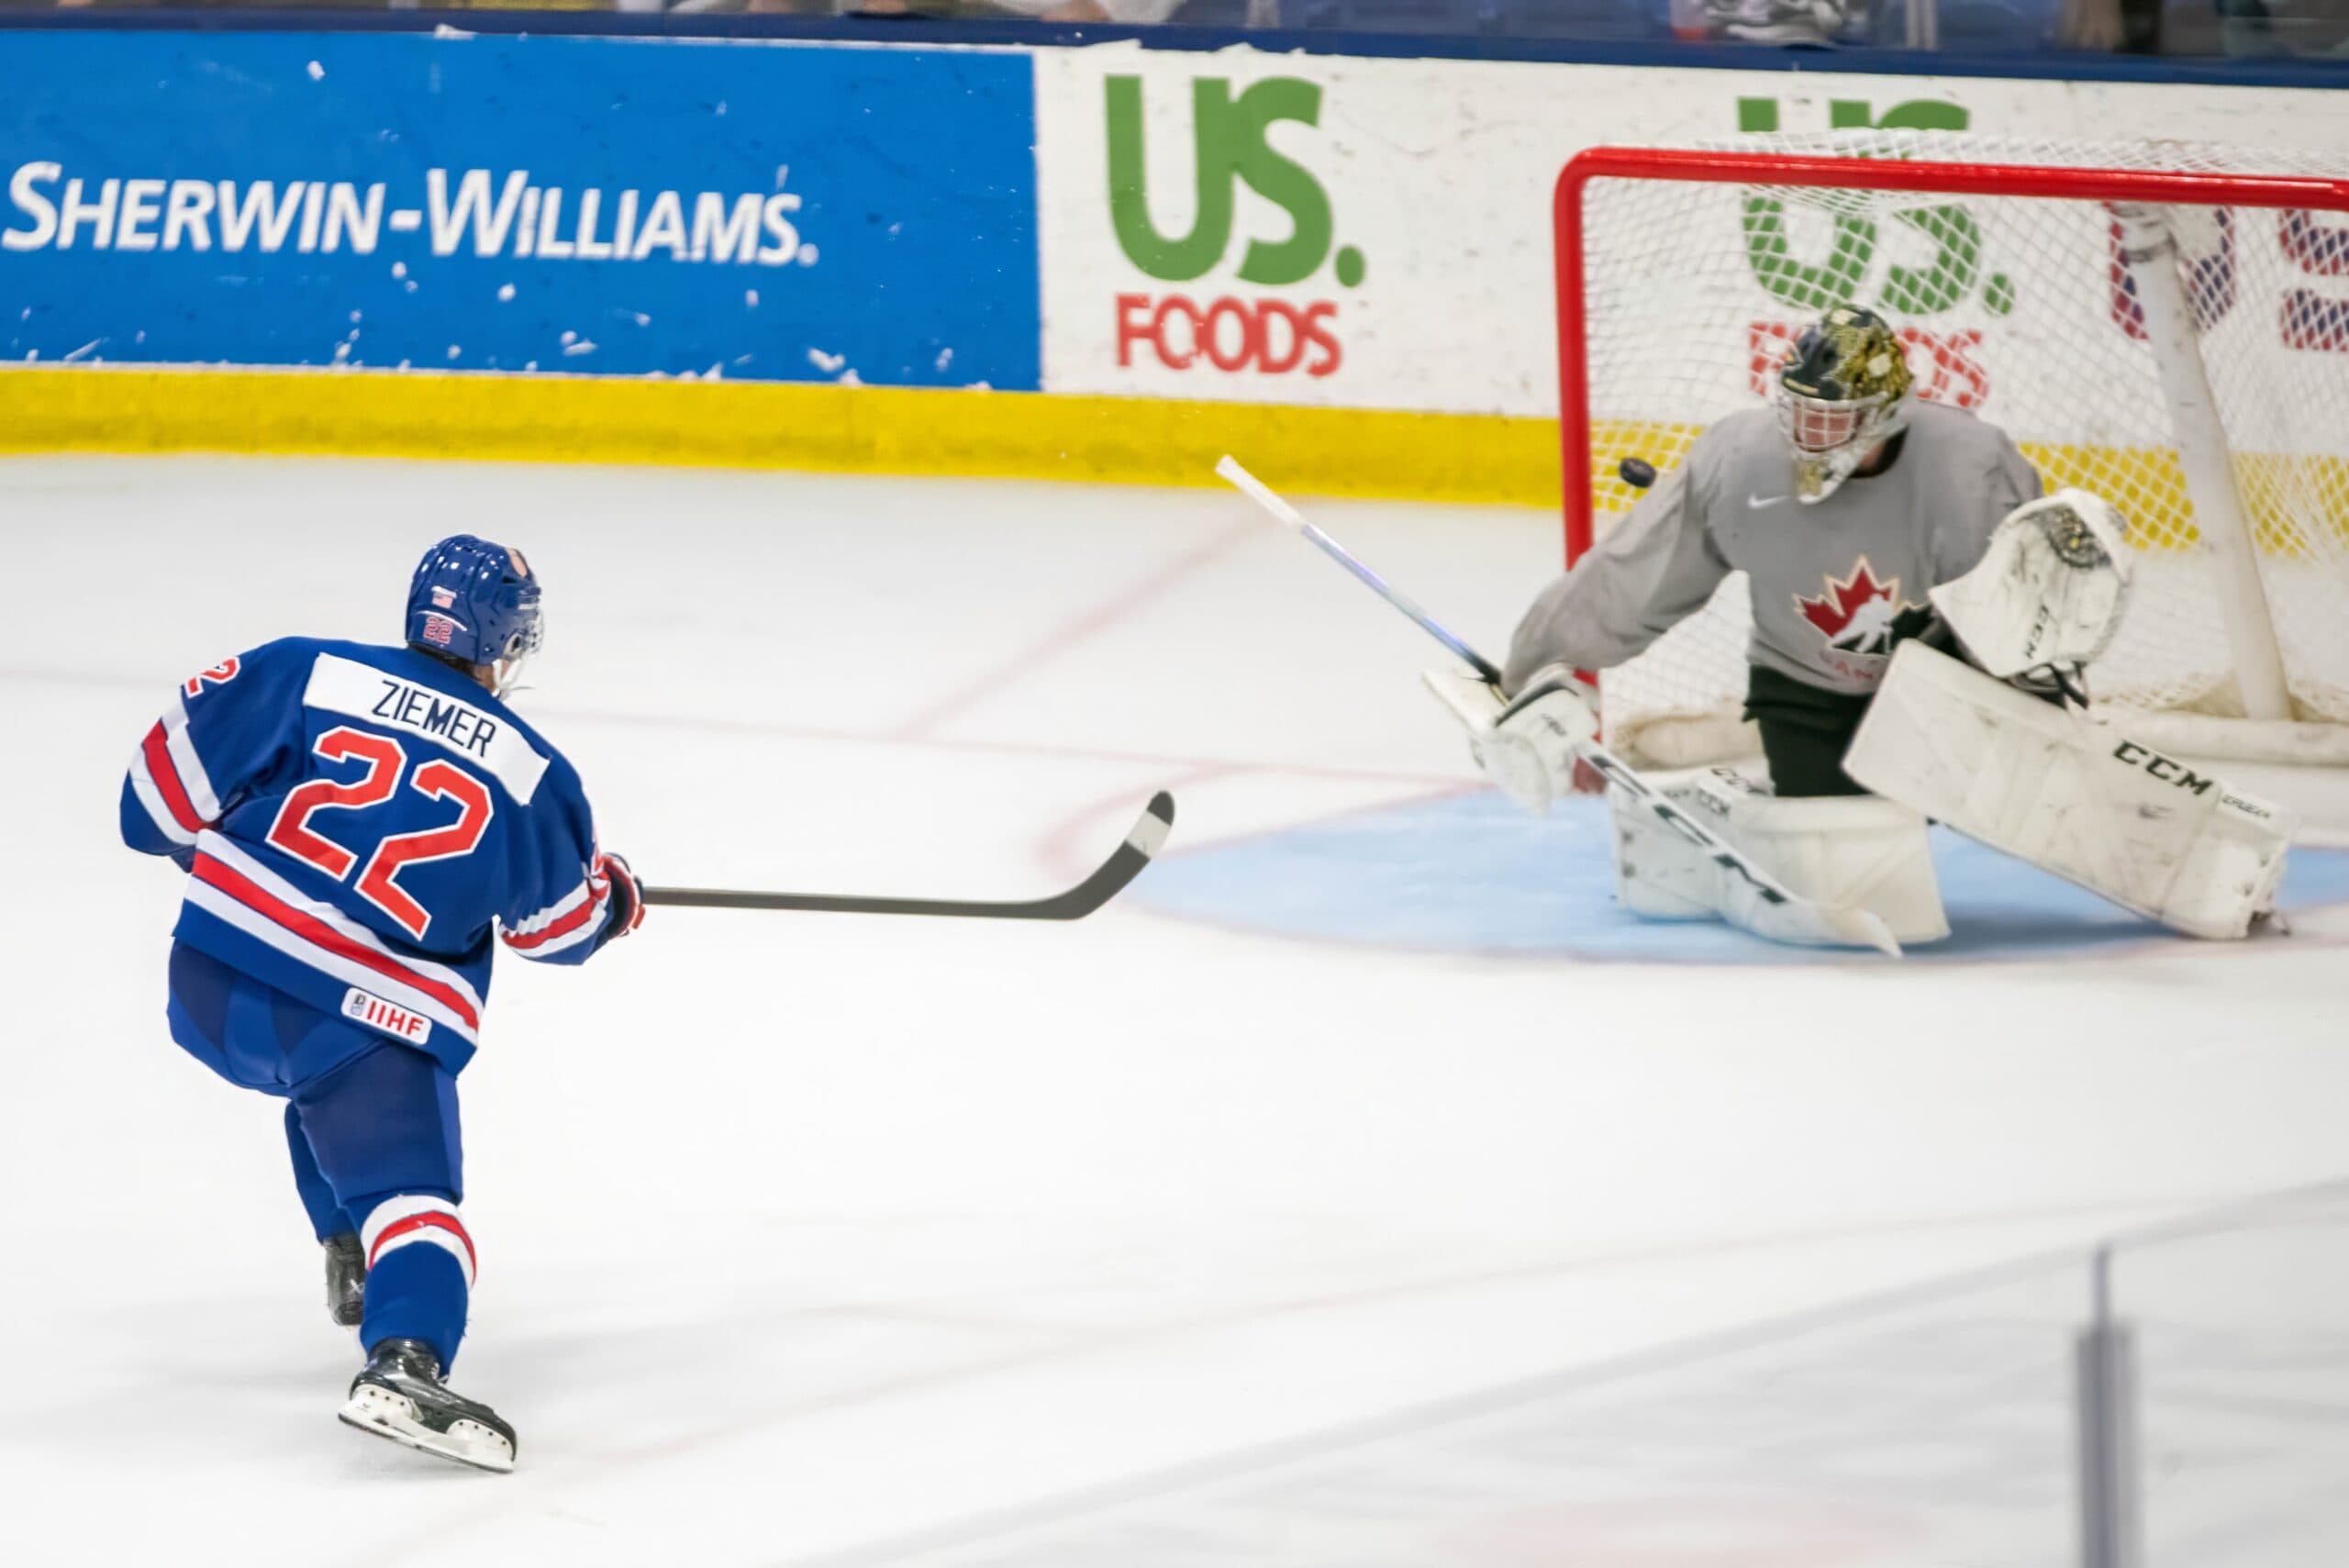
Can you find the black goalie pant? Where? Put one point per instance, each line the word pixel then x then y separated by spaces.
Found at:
pixel 1805 732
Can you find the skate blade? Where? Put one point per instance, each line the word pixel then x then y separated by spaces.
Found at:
pixel 385 1415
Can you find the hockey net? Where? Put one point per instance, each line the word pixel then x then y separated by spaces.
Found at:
pixel 2019 276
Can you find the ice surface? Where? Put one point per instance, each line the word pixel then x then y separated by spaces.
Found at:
pixel 805 1236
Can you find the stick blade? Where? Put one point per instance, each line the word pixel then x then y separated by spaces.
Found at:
pixel 1151 828
pixel 1143 840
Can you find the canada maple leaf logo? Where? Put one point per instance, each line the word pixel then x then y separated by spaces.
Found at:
pixel 1859 614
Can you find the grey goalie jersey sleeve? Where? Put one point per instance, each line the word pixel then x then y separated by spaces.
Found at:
pixel 1833 585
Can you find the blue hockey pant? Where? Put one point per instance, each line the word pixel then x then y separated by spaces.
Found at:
pixel 371 1125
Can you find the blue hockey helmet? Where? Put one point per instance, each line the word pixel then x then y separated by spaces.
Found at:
pixel 476 603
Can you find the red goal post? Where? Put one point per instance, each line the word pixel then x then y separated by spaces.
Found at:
pixel 2241 510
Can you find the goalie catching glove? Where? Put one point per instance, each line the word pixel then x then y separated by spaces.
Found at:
pixel 2048 595
pixel 1525 744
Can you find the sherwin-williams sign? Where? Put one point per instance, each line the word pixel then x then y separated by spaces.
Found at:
pixel 1235 226
pixel 586 205
pixel 1320 230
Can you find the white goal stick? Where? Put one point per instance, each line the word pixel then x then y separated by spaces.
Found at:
pixel 1256 490
pixel 1792 917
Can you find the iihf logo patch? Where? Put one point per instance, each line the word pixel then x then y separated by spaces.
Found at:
pixel 444 598
pixel 1859 614
pixel 439 629
pixel 365 1007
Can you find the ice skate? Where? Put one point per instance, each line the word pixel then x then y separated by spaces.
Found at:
pixel 399 1396
pixel 345 1280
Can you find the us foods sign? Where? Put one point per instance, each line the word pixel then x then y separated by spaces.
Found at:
pixel 1231 329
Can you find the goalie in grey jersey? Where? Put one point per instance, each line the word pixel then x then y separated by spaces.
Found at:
pixel 1843 505
pixel 1869 527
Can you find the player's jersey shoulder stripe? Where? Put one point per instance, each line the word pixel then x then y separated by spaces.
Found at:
pixel 167 775
pixel 150 800
pixel 154 760
pixel 188 762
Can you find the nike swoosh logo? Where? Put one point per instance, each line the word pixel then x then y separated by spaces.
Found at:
pixel 1755 503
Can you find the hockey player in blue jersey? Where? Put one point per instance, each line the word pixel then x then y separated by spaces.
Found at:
pixel 361 825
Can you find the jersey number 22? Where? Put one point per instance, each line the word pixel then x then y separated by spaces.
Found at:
pixel 385 759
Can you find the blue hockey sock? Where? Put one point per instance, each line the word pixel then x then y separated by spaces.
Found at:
pixel 326 1215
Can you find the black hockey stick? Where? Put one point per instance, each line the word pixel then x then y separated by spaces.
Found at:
pixel 1147 835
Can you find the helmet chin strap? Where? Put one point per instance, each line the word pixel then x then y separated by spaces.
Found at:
pixel 505 672
pixel 1819 476
pixel 504 675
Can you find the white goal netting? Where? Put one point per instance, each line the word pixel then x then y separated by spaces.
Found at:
pixel 2023 306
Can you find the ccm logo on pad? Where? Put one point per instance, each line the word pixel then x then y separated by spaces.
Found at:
pixel 2161 767
pixel 376 1013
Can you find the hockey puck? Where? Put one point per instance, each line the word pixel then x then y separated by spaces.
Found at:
pixel 1637 473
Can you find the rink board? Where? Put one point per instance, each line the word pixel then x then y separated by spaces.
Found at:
pixel 1129 441
pixel 1103 262
pixel 1125 440
pixel 608 206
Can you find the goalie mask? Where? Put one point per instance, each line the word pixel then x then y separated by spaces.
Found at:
pixel 1842 390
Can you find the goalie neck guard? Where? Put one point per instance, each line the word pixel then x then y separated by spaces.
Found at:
pixel 475 603
pixel 1842 392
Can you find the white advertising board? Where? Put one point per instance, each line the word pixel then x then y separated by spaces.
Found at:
pixel 1376 233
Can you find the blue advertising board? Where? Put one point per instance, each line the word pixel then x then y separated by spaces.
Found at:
pixel 596 205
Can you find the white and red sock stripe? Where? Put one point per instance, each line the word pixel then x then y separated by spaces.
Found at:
pixel 413 1221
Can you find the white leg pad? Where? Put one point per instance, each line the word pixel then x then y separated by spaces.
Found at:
pixel 1846 852
pixel 2070 795
pixel 1658 874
